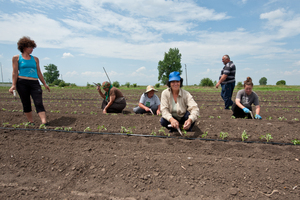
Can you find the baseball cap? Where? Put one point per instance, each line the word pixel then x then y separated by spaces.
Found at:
pixel 174 76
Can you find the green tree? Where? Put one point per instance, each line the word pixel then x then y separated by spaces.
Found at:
pixel 206 82
pixel 239 84
pixel 171 62
pixel 263 81
pixel 281 82
pixel 52 73
pixel 116 84
pixel 127 84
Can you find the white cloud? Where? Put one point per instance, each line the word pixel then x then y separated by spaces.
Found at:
pixel 297 63
pixel 67 55
pixel 276 14
pixel 293 72
pixel 141 69
pixel 71 74
pixel 94 74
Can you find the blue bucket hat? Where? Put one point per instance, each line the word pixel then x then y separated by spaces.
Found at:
pixel 174 76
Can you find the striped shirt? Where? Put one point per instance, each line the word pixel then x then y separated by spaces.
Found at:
pixel 229 70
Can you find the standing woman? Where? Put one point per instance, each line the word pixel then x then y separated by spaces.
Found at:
pixel 244 99
pixel 25 79
pixel 177 105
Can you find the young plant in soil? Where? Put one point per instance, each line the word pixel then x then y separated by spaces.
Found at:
pixel 295 119
pixel 26 124
pixel 296 142
pixel 219 117
pixel 58 128
pixel 16 126
pixel 5 124
pixel 153 133
pixel 68 128
pixel 282 118
pixel 224 135
pixel 233 117
pixel 211 117
pixel 268 137
pixel 204 135
pixel 87 129
pixel 183 131
pixel 269 118
pixel 127 131
pixel 42 126
pixel 101 128
pixel 244 136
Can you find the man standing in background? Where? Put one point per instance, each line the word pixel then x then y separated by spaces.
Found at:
pixel 227 81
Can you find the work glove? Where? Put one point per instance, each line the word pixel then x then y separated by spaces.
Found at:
pixel 257 116
pixel 246 110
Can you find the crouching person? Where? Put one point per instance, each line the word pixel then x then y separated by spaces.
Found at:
pixel 148 101
pixel 244 99
pixel 178 107
pixel 114 101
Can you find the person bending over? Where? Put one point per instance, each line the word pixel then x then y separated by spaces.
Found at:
pixel 114 101
pixel 244 99
pixel 148 101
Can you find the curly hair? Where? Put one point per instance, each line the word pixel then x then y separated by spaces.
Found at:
pixel 25 42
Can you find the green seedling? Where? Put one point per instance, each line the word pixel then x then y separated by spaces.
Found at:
pixel 244 136
pixel 16 126
pixel 42 126
pixel 114 114
pixel 153 133
pixel 125 130
pixel 68 128
pixel 282 118
pixel 268 137
pixel 183 131
pixel 26 124
pixel 211 117
pixel 296 142
pixel 219 117
pixel 3 109
pixel 74 112
pixel 224 135
pixel 295 119
pixel 162 130
pixel 204 135
pixel 58 128
pixel 269 118
pixel 87 129
pixel 233 117
pixel 101 128
pixel 5 124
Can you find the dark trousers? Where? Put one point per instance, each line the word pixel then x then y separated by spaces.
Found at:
pixel 116 107
pixel 226 93
pixel 165 122
pixel 239 113
pixel 139 110
pixel 27 88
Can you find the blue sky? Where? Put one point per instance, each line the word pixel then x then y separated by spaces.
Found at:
pixel 129 37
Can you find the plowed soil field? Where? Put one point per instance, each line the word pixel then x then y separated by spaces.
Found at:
pixel 92 155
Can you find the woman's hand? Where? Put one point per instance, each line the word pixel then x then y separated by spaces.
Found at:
pixel 174 123
pixel 47 87
pixel 158 112
pixel 11 90
pixel 104 111
pixel 187 124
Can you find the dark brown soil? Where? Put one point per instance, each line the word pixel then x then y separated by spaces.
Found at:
pixel 48 164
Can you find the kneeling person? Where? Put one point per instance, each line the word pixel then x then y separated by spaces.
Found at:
pixel 148 101
pixel 114 101
pixel 244 99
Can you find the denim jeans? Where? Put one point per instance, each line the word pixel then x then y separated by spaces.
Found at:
pixel 226 93
pixel 165 122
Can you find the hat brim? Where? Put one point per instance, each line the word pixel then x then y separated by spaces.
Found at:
pixel 174 79
pixel 151 90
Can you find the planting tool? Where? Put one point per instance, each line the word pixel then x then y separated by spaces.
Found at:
pixel 251 114
pixel 151 112
pixel 96 84
pixel 15 94
pixel 107 75
pixel 178 129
